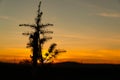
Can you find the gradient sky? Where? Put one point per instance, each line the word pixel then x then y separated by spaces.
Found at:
pixel 88 29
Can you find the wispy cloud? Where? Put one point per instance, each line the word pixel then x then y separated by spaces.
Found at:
pixel 112 15
pixel 4 17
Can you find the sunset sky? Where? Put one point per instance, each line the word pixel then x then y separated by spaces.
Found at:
pixel 88 29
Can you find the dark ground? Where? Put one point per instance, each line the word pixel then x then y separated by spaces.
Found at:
pixel 60 71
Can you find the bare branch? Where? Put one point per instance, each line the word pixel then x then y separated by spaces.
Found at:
pixel 33 26
pixel 43 40
pixel 27 33
pixel 43 32
pixel 45 25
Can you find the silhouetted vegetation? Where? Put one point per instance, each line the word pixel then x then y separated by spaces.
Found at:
pixel 38 38
pixel 61 71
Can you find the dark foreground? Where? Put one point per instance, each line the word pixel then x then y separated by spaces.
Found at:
pixel 61 71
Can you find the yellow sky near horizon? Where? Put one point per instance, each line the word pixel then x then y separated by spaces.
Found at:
pixel 82 56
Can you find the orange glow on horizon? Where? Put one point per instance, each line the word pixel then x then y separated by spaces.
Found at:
pixel 81 56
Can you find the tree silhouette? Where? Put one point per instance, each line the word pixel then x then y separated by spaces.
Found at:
pixel 38 38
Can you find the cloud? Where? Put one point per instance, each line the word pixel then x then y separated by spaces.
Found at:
pixel 112 15
pixel 4 17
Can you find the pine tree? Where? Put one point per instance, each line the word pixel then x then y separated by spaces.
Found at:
pixel 38 38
